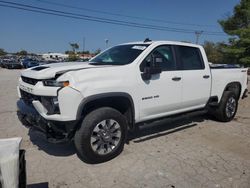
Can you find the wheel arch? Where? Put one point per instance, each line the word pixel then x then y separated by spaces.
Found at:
pixel 120 101
pixel 234 87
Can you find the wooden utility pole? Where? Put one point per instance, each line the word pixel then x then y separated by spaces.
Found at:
pixel 198 34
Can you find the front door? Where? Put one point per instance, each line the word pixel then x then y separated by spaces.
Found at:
pixel 160 95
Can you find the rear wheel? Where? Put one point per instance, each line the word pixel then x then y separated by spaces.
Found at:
pixel 101 136
pixel 227 107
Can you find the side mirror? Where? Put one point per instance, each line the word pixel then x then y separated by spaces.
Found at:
pixel 153 68
pixel 146 74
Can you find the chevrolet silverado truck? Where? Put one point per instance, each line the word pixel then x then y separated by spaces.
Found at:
pixel 95 103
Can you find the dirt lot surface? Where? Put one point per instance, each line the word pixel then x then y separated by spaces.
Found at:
pixel 189 151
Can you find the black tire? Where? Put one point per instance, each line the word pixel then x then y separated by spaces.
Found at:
pixel 83 135
pixel 221 112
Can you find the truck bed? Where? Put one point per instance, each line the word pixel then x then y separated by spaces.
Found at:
pixel 224 75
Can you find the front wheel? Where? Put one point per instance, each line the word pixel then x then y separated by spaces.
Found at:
pixel 101 136
pixel 227 107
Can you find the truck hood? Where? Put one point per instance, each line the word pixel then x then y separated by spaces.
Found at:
pixel 50 70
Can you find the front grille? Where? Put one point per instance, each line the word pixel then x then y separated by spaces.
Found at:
pixel 31 81
pixel 28 97
pixel 46 101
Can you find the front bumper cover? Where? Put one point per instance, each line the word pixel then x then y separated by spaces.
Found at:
pixel 54 131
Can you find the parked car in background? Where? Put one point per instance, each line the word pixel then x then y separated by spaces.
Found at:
pixel 11 64
pixel 28 63
pixel 1 63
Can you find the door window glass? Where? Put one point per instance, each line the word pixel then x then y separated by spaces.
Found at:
pixel 190 58
pixel 164 58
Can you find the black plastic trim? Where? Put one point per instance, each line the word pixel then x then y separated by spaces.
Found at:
pixel 199 110
pixel 232 83
pixel 53 131
pixel 245 94
pixel 105 95
pixel 213 101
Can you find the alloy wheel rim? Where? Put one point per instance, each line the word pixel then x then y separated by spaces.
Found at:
pixel 230 107
pixel 105 136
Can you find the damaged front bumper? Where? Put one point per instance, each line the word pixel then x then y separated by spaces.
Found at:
pixel 54 131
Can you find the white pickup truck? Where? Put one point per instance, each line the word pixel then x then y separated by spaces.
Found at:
pixel 96 102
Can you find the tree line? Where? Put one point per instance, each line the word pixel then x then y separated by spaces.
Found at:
pixel 237 49
pixel 20 53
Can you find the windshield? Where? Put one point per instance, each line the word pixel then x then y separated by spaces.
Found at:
pixel 119 55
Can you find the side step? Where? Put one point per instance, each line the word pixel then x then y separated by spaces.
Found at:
pixel 213 104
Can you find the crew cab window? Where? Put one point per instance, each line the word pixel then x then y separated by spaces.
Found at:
pixel 190 58
pixel 165 58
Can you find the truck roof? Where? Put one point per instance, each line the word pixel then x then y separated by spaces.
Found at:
pixel 164 42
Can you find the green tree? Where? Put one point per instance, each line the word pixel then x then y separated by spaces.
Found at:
pixel 22 53
pixel 74 46
pixel 2 52
pixel 68 52
pixel 73 57
pixel 83 52
pixel 214 52
pixel 238 27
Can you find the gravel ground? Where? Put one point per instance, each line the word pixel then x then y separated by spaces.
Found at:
pixel 188 151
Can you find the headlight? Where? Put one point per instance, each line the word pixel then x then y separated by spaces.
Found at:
pixel 54 83
pixel 51 104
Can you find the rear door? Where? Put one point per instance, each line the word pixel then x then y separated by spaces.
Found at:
pixel 196 77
